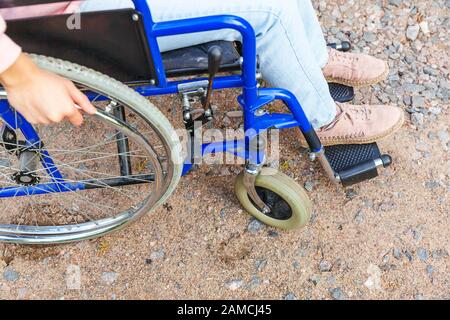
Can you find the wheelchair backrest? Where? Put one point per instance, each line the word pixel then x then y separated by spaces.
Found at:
pixel 20 3
pixel 112 42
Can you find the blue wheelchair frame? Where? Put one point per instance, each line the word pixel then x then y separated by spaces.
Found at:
pixel 251 100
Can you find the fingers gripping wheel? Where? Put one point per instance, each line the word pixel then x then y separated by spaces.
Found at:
pixel 290 206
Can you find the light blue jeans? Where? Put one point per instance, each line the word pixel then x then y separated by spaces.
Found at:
pixel 290 42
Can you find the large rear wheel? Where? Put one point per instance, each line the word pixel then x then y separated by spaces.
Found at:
pixel 122 163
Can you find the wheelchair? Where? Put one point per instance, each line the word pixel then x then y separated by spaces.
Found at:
pixel 62 184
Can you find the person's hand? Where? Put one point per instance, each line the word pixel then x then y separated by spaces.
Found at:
pixel 43 97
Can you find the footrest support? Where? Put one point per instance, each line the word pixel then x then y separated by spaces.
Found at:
pixel 353 164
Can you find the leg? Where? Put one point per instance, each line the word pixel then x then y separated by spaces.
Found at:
pixel 313 31
pixel 277 26
pixel 288 60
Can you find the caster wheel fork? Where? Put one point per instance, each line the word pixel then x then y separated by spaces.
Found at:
pixel 280 202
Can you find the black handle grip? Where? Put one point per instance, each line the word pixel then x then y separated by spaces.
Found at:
pixel 386 159
pixel 364 171
pixel 214 60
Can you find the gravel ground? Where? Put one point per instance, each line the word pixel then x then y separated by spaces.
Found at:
pixel 384 239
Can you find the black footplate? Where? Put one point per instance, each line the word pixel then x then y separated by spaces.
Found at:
pixel 341 93
pixel 356 163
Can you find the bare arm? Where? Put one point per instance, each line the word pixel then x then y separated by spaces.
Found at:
pixel 40 96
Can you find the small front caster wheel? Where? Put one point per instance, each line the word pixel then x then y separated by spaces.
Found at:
pixel 290 205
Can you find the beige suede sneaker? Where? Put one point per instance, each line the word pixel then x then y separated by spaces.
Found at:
pixel 360 125
pixel 354 69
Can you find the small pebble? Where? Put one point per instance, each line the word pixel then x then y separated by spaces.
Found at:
pixel 11 275
pixel 309 186
pixel 255 226
pixel 422 254
pixel 157 255
pixel 412 32
pixel 234 285
pixel 261 264
pixel 337 294
pixel 290 297
pixel 109 277
pixel 254 282
pixel 430 270
pixel 325 266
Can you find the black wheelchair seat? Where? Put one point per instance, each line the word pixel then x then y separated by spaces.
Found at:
pixel 194 60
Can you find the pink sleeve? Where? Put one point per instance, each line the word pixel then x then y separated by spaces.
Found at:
pixel 9 51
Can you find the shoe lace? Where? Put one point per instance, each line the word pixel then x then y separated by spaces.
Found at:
pixel 342 57
pixel 350 113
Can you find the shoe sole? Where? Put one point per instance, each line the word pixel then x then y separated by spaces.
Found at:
pixel 335 142
pixel 361 84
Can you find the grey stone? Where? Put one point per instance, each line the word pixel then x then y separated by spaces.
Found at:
pixel 397 253
pixel 431 86
pixel 337 294
pixel 314 217
pixel 432 185
pixel 396 3
pixel 157 255
pixel 388 267
pixel 11 275
pixel 109 277
pixel 234 284
pixel 290 297
pixel 435 110
pixel 418 101
pixel 325 266
pixel 412 32
pixel 443 136
pixel 439 254
pixel 430 71
pixel 254 282
pixel 430 270
pixel 368 203
pixel 260 264
pixel 429 94
pixel 394 56
pixel 369 37
pixel 431 135
pixel 273 234
pixel 410 59
pixel 416 234
pixel 422 146
pixel 189 196
pixel 408 255
pixel 407 100
pixel 351 194
pixel 315 279
pixel 422 254
pixel 309 186
pixel 387 206
pixel 361 44
pixel 296 265
pixel 255 226
pixel 359 217
pixel 413 88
